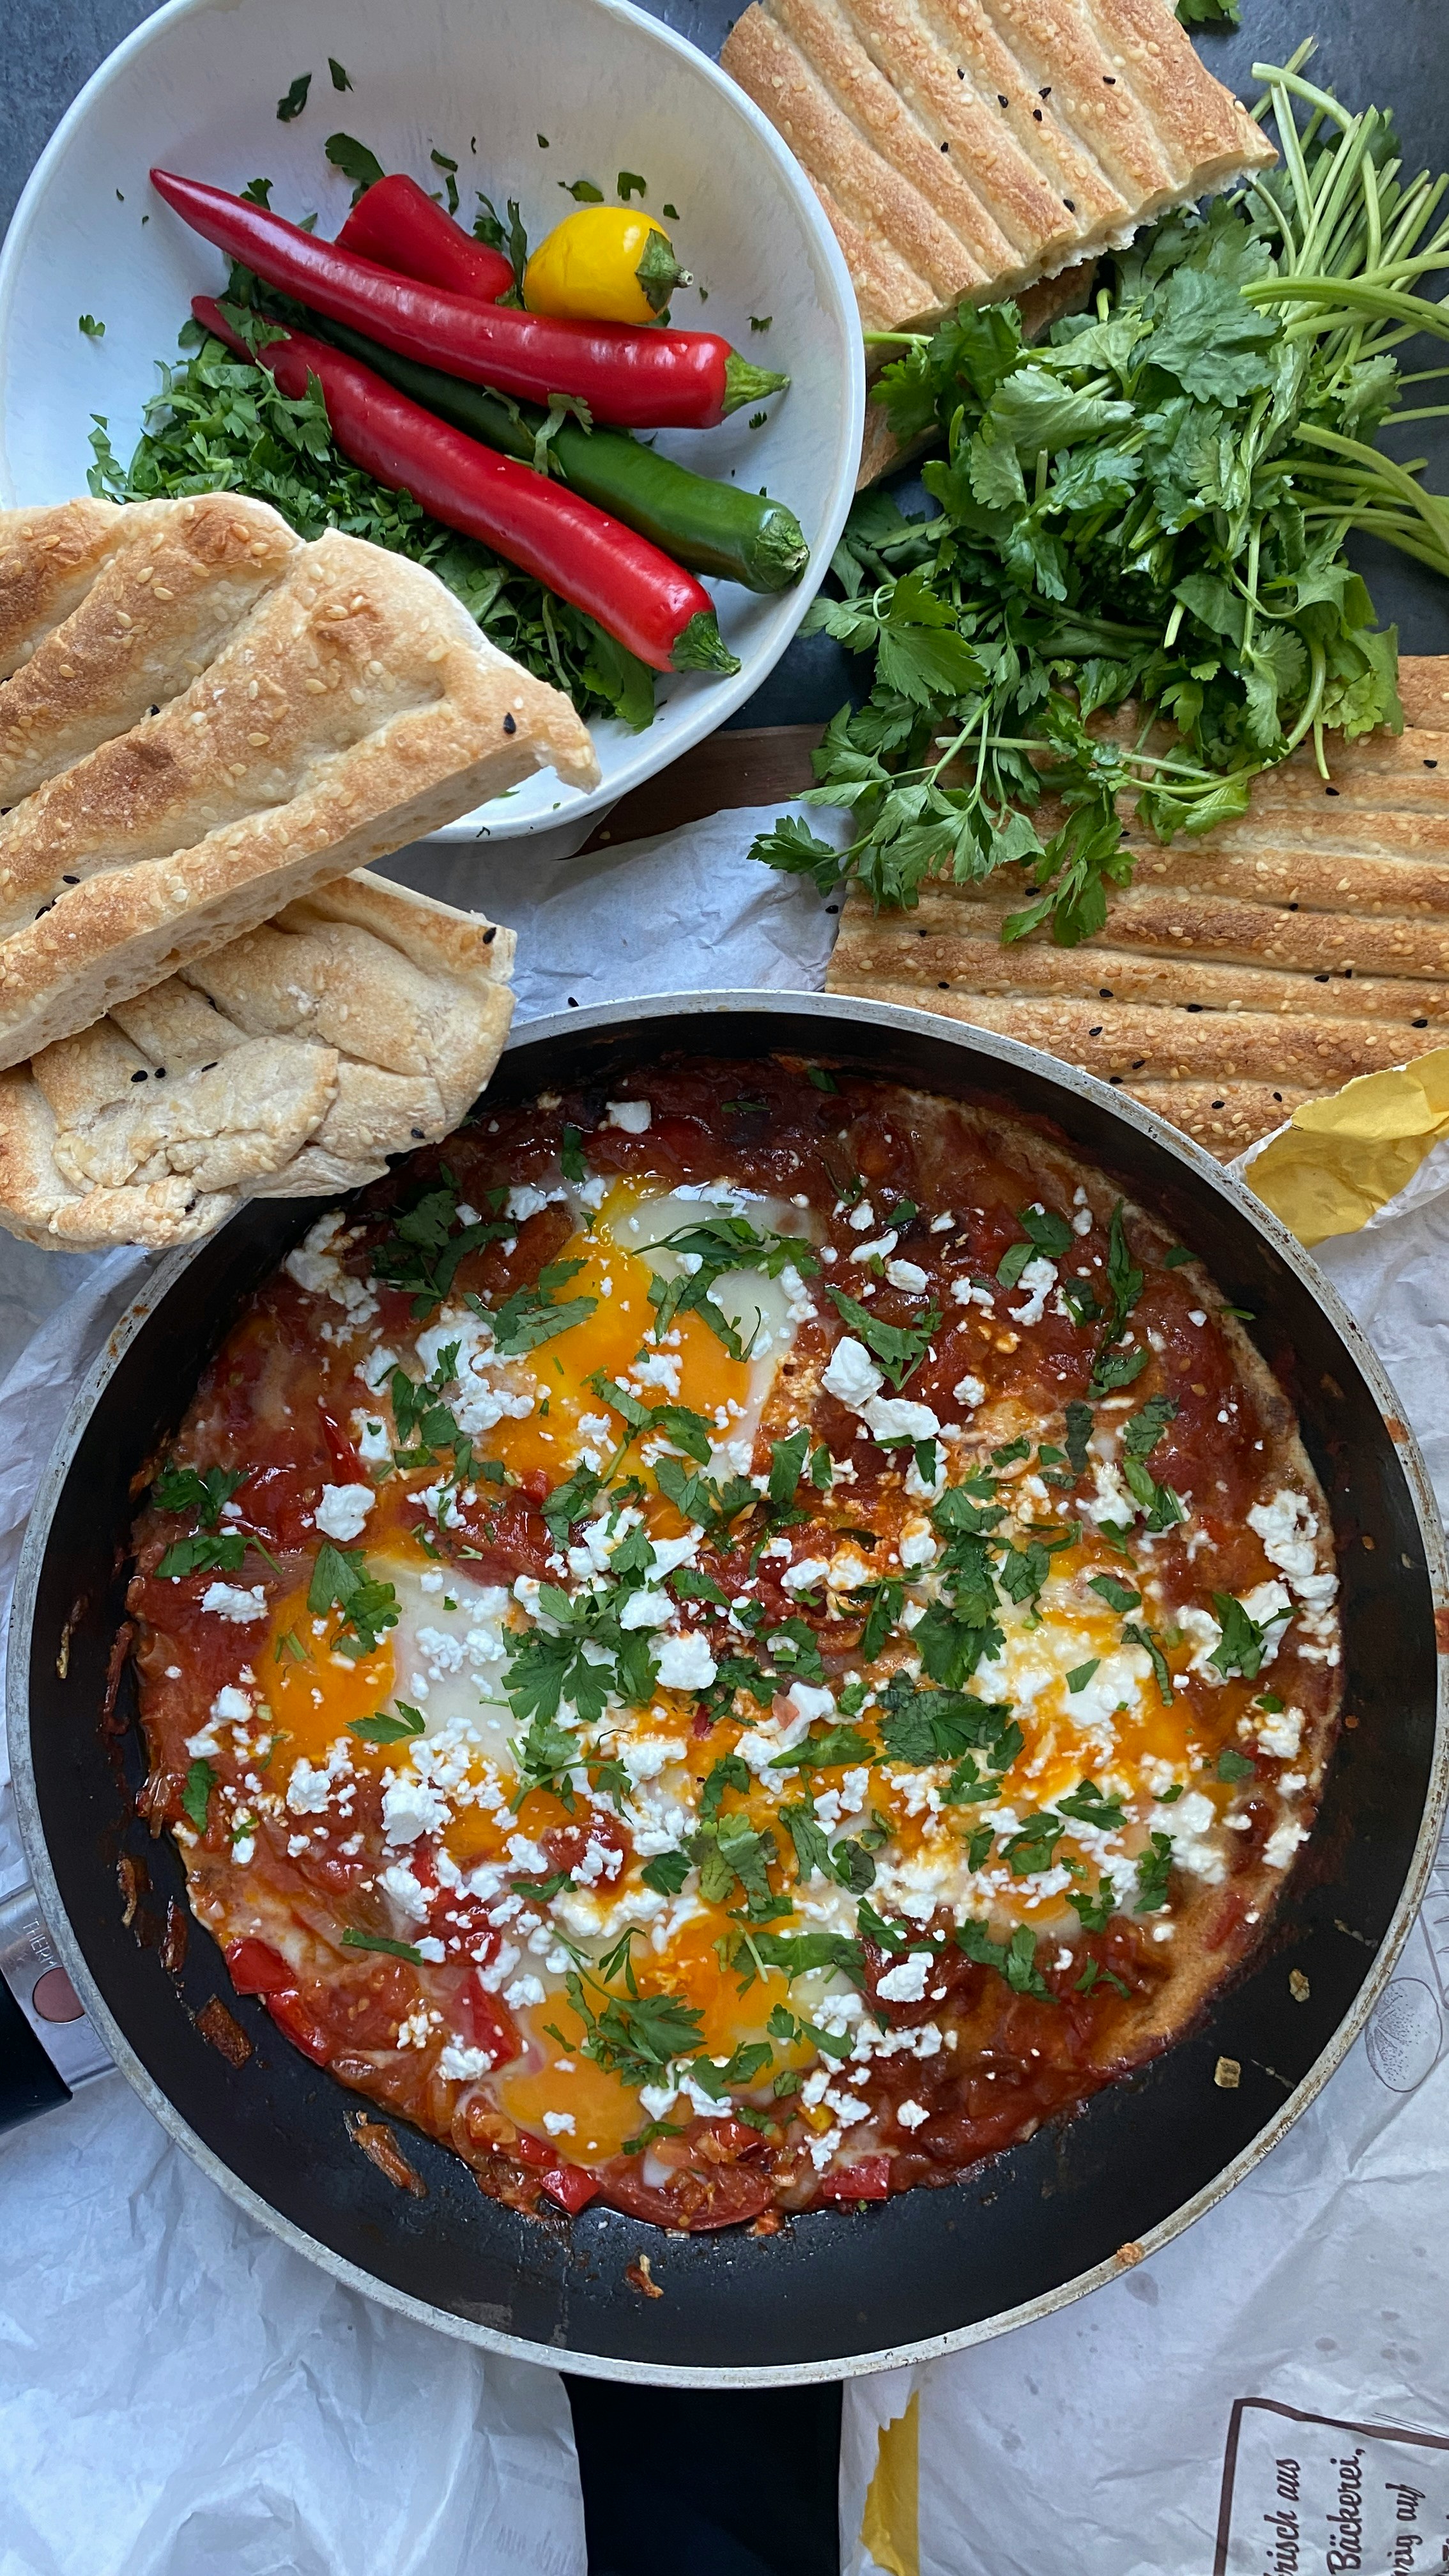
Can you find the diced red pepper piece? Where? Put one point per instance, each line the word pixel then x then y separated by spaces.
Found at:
pixel 571 2187
pixel 868 2180
pixel 291 2015
pixel 257 1969
pixel 531 2151
pixel 491 2024
pixel 346 1465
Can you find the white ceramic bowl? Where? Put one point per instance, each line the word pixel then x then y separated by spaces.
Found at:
pixel 195 89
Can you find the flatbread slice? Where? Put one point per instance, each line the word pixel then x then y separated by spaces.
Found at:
pixel 965 148
pixel 361 1022
pixel 1242 972
pixel 353 706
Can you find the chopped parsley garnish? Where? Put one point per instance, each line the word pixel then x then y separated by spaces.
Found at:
pixel 1240 1647
pixel 666 1872
pixel 205 1552
pixel 355 162
pixel 1081 1674
pixel 1153 1868
pixel 571 1156
pixel 831 1750
pixel 1015 1960
pixel 195 1797
pixel 1232 1765
pixel 631 2035
pixel 1048 1236
pixel 340 1578
pixel 1032 1848
pixel 355 1940
pixel 1118 1596
pixel 1135 1635
pixel 533 1315
pixel 900 1348
pixel 1090 1805
pixel 386 1729
pixel 296 99
pixel 717 1246
pixel 427 1244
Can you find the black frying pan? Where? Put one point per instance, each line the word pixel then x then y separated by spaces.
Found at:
pixel 836 2292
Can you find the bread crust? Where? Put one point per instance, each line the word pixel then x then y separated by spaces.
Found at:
pixel 154 618
pixel 290 1063
pixel 1242 972
pixel 971 147
pixel 354 708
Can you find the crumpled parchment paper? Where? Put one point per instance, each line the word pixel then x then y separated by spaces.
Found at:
pixel 1269 2395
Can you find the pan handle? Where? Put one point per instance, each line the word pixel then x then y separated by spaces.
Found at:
pixel 47 2046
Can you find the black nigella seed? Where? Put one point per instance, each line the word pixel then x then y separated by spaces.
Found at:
pixel 70 880
pixel 417 1131
pixel 140 1077
pixel 1002 102
pixel 1094 1033
pixel 508 725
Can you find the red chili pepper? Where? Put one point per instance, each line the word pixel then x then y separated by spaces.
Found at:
pixel 291 2015
pixel 661 613
pixel 868 2180
pixel 491 2024
pixel 396 224
pixel 636 378
pixel 257 1969
pixel 571 2187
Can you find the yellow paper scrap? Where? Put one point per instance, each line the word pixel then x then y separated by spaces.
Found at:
pixel 890 2525
pixel 1339 1161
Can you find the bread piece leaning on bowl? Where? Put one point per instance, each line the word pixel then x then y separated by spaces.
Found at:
pixel 205 724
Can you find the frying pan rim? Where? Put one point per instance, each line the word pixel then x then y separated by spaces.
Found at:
pixel 851 1016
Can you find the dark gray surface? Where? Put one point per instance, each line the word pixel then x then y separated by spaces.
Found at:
pixel 1390 54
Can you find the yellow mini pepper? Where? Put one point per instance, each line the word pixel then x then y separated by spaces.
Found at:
pixel 603 264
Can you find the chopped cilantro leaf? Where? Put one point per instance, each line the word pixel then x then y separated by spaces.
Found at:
pixel 383 1729
pixel 1240 1647
pixel 1116 1595
pixel 1153 1868
pixel 1232 1765
pixel 1135 1635
pixel 899 1348
pixel 195 1797
pixel 355 1940
pixel 295 100
pixel 340 1578
pixel 666 1872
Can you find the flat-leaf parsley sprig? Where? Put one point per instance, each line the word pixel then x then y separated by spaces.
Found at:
pixel 1150 505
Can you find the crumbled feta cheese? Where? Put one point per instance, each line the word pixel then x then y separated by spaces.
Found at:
pixel 658 1368
pixel 905 1983
pixel 523 1991
pixel 1279 1732
pixel 461 2065
pixel 410 1808
pixel 894 1417
pixel 1283 1842
pixel 685 1662
pixel 406 1892
pixel 969 1391
pixel 912 2115
pixel 809 1571
pixel 851 1374
pixel 917 1547
pixel 632 1115
pixel 559 2124
pixel 1039 1278
pixel 343 1510
pixel 646 1609
pixel 229 1601
pixel 862 1218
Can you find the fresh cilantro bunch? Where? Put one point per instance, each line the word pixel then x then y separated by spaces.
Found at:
pixel 218 424
pixel 1151 506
